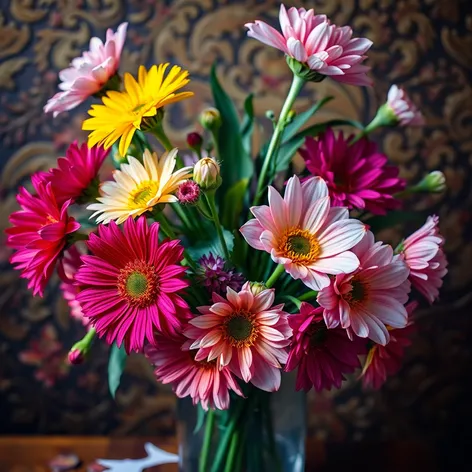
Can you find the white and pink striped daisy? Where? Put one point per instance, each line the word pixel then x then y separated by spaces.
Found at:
pixel 302 232
pixel 244 332
pixel 313 41
pixel 372 297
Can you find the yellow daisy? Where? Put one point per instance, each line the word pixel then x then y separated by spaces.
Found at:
pixel 123 112
pixel 137 187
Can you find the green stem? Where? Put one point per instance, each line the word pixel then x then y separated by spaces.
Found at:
pixel 210 421
pixel 233 449
pixel 279 270
pixel 271 435
pixel 210 198
pixel 297 84
pixel 180 212
pixel 308 295
pixel 160 134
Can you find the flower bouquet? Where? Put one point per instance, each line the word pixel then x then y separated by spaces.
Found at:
pixel 220 265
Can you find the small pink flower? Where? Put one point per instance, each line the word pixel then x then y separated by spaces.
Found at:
pixel 322 355
pixel 131 285
pixel 327 49
pixel 76 172
pixel 405 111
pixel 304 234
pixel 246 333
pixel 423 253
pixel 89 73
pixel 370 298
pixel 39 233
pixel 188 192
pixel 204 381
pixel 383 361
pixel 358 175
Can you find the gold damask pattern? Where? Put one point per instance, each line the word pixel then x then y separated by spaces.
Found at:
pixel 425 46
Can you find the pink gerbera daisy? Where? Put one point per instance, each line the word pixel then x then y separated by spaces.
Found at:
pixel 304 234
pixel 322 47
pixel 322 355
pixel 370 298
pixel 423 253
pixel 383 361
pixel 39 233
pixel 245 332
pixel 404 110
pixel 77 173
pixel 89 73
pixel 130 285
pixel 357 175
pixel 204 381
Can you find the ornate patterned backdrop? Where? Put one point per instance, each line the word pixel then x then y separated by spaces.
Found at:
pixel 424 45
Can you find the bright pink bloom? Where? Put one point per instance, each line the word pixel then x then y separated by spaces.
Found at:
pixel 383 361
pixel 77 172
pixel 246 333
pixel 423 253
pixel 188 192
pixel 358 175
pixel 403 108
pixel 322 355
pixel 304 234
pixel 311 39
pixel 39 233
pixel 130 285
pixel 370 298
pixel 89 73
pixel 204 381
pixel 69 266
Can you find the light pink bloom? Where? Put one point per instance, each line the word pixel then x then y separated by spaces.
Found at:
pixel 370 298
pixel 404 109
pixel 77 172
pixel 327 49
pixel 383 361
pixel 39 233
pixel 246 333
pixel 204 381
pixel 130 287
pixel 89 73
pixel 358 175
pixel 322 355
pixel 304 234
pixel 423 253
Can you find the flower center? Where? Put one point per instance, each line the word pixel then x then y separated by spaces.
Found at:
pixel 138 284
pixel 358 293
pixel 318 334
pixel 143 193
pixel 240 329
pixel 299 245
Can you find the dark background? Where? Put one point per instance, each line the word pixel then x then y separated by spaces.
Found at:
pixel 424 46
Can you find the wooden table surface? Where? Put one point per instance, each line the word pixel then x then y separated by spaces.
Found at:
pixel 32 454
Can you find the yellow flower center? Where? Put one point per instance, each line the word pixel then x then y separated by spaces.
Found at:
pixel 141 195
pixel 240 330
pixel 299 245
pixel 138 284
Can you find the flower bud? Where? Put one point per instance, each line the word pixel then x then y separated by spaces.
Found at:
pixel 210 119
pixel 434 182
pixel 76 356
pixel 188 193
pixel 257 287
pixel 195 141
pixel 206 174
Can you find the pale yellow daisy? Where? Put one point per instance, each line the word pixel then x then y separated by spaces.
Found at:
pixel 139 187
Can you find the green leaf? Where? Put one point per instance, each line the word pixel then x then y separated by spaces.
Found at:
pixel 116 365
pixel 236 163
pixel 233 203
pixel 380 222
pixel 247 126
pixel 202 248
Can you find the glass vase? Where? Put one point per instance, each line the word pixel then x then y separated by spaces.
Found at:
pixel 264 432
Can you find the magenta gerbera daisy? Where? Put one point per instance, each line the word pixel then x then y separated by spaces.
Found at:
pixel 204 381
pixel 357 175
pixel 322 355
pixel 245 332
pixel 39 233
pixel 131 286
